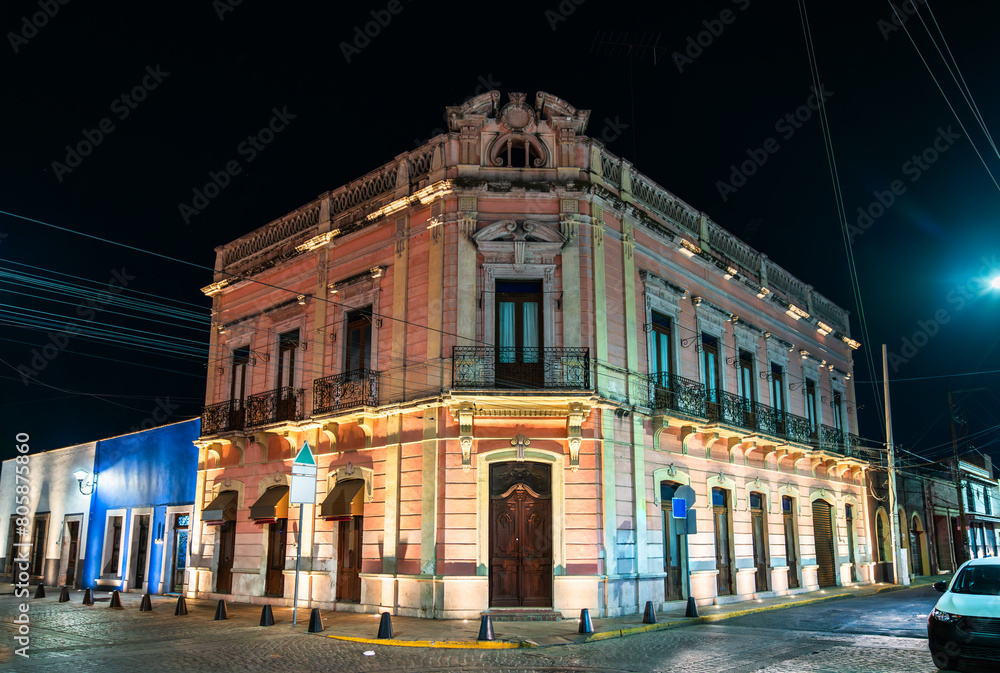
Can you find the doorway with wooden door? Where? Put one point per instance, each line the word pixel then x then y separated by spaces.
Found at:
pixel 791 551
pixel 274 578
pixel 673 582
pixel 73 533
pixel 758 528
pixel 520 535
pixel 349 559
pixel 227 550
pixel 723 545
pixel 141 524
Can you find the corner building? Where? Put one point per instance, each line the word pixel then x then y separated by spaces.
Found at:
pixel 507 349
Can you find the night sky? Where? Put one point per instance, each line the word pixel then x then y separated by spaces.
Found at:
pixel 159 96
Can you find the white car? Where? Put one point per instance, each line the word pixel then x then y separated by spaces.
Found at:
pixel 964 626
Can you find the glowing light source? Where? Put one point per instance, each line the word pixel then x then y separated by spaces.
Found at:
pixel 995 283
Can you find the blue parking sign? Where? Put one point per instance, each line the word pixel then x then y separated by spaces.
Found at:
pixel 679 507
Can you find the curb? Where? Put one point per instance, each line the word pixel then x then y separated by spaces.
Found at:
pixel 647 628
pixel 439 644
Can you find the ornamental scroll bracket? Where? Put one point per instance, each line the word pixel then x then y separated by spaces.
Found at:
pixel 465 415
pixel 574 434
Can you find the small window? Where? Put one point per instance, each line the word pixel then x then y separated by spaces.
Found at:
pixel 971 497
pixel 662 357
pixel 849 512
pixel 756 501
pixel 986 500
pixel 719 497
pixel 786 504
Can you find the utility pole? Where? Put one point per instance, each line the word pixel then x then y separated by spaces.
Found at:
pixel 891 456
pixel 958 485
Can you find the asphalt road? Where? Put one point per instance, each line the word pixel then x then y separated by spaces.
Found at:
pixel 875 634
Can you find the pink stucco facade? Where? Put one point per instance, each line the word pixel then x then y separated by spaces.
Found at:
pixel 510 295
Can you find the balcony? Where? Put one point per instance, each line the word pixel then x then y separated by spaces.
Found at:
pixel 225 416
pixel 347 390
pixel 690 398
pixel 275 406
pixel 493 367
pixel 678 394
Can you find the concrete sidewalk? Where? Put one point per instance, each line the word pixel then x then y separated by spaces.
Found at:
pixel 435 633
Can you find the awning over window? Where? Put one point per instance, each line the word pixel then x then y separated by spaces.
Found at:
pixel 343 501
pixel 270 506
pixel 220 510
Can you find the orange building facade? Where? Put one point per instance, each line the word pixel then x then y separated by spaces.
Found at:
pixel 507 350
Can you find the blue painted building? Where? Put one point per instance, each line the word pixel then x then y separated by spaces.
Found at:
pixel 140 511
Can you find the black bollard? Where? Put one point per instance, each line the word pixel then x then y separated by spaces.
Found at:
pixel 586 626
pixel 315 621
pixel 385 626
pixel 88 597
pixel 182 607
pixel 221 612
pixel 485 628
pixel 649 617
pixel 692 608
pixel 64 594
pixel 116 600
pixel 40 591
pixel 146 604
pixel 266 616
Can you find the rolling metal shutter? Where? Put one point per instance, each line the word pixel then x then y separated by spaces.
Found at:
pixel 823 535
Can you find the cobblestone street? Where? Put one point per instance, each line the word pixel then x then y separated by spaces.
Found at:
pixel 877 633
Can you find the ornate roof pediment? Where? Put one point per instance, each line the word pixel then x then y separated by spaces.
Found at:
pixel 511 230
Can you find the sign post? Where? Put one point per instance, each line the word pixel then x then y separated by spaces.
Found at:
pixel 302 492
pixel 687 524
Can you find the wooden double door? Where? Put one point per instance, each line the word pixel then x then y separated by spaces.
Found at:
pixel 520 535
pixel 825 550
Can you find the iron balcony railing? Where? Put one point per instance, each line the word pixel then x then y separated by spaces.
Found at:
pixel 347 390
pixel 275 406
pixel 678 394
pixel 225 416
pixel 489 367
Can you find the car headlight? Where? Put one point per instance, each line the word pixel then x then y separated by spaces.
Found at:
pixel 945 617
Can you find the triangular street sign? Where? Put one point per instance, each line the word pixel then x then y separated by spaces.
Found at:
pixel 305 456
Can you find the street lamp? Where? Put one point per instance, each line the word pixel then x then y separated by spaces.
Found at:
pixel 81 475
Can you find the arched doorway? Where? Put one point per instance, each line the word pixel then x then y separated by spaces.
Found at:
pixel 826 558
pixel 520 535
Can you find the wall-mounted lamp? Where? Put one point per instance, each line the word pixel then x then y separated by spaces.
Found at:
pixel 302 300
pixel 763 293
pixel 81 475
